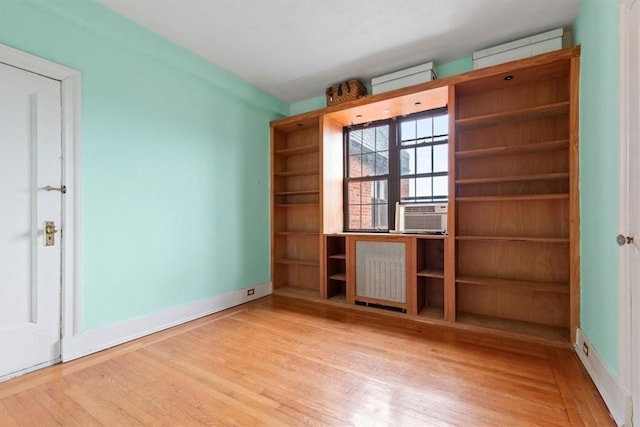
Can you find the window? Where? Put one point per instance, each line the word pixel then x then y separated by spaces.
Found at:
pixel 397 160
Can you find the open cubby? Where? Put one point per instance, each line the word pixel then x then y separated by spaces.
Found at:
pixel 336 268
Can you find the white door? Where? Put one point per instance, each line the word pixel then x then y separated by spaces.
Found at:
pixel 30 272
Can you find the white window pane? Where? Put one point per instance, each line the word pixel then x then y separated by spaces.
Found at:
pixel 407 188
pixel 368 164
pixel 380 192
pixel 382 163
pixel 368 140
pixel 355 166
pixel 423 187
pixel 355 142
pixel 355 192
pixel 408 161
pixel 382 138
pixel 441 125
pixel 440 186
pixel 408 131
pixel 381 216
pixel 425 128
pixel 440 158
pixel 424 160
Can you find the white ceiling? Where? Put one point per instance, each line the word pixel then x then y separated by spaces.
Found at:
pixel 294 49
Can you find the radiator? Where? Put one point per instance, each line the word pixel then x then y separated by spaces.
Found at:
pixel 381 271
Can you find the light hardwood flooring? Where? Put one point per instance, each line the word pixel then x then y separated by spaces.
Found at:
pixel 278 361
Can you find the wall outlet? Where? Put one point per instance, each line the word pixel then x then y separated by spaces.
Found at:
pixel 585 349
pixel 250 292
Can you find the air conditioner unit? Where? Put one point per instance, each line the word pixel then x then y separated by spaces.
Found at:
pixel 421 218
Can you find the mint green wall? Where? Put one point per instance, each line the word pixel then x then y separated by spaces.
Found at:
pixel 452 68
pixel 596 29
pixel 175 161
pixel 308 105
pixel 445 70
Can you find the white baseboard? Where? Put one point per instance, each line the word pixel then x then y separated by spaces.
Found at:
pixel 100 339
pixel 616 399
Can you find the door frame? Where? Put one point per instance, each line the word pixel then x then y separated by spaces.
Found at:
pixel 629 378
pixel 71 99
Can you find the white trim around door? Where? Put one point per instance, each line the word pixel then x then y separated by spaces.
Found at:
pixel 71 82
pixel 627 97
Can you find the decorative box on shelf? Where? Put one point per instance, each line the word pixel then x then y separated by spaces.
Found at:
pixel 403 78
pixel 345 92
pixel 523 48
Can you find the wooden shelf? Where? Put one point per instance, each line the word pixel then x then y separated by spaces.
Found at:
pixel 514 116
pixel 296 205
pixel 517 239
pixel 561 288
pixel 339 297
pixel 297 291
pixel 339 276
pixel 437 274
pixel 514 197
pixel 517 178
pixel 298 172
pixel 432 312
pixel 518 149
pixel 338 256
pixel 553 333
pixel 297 233
pixel 298 150
pixel 289 261
pixel 296 193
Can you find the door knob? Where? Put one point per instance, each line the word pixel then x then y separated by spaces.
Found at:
pixel 624 240
pixel 50 230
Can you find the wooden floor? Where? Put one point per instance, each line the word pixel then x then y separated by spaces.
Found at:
pixel 281 362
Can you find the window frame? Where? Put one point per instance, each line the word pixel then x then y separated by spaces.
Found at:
pixel 394 176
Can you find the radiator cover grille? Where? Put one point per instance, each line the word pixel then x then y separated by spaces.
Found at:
pixel 381 271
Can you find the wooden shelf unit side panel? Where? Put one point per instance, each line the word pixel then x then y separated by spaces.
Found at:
pixel 332 176
pixel 574 199
pixel 350 244
pixel 450 239
pixel 516 89
pixel 536 218
pixel 514 260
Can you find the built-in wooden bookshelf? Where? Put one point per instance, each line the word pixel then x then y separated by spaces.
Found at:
pixel 295 177
pixel 509 264
pixel 513 150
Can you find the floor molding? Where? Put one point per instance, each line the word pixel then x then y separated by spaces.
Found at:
pixel 618 402
pixel 102 338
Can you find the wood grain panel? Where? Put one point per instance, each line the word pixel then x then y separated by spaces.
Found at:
pixel 514 303
pixel 513 134
pixel 517 93
pixel 514 165
pixel 540 218
pixel 542 262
